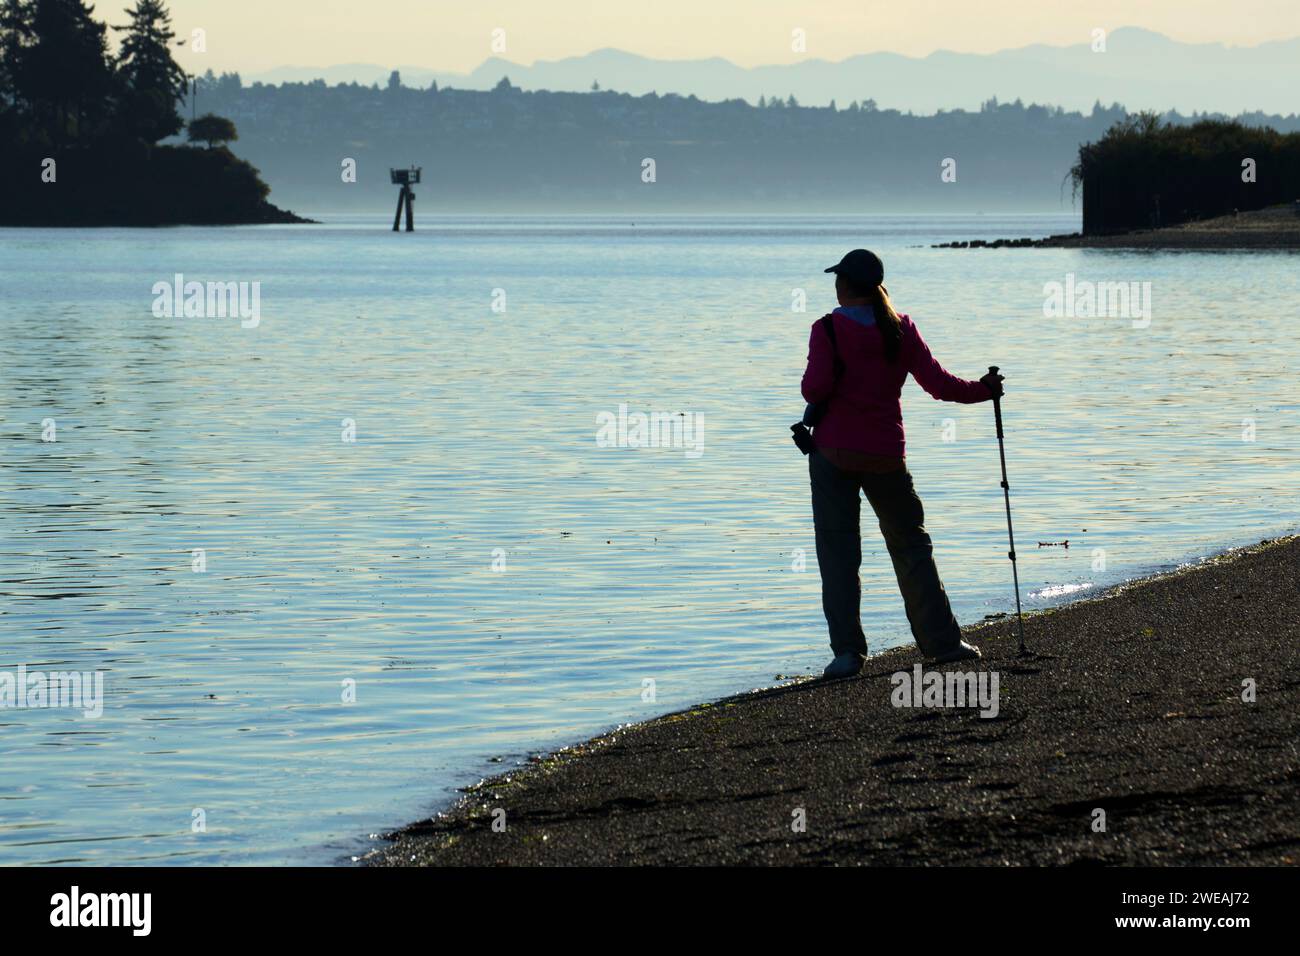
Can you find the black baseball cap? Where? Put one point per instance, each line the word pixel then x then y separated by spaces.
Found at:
pixel 861 267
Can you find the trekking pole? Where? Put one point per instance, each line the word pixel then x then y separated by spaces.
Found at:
pixel 1006 494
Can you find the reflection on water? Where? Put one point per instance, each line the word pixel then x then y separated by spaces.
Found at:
pixel 473 567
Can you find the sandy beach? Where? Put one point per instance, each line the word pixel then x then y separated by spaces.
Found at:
pixel 1136 704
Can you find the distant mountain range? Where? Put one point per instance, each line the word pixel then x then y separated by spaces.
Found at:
pixel 1139 68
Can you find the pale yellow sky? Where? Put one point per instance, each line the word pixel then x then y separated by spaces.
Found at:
pixel 253 35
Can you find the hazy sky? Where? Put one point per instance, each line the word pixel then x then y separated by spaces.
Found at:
pixel 252 35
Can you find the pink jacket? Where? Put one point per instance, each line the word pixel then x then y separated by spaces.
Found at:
pixel 864 412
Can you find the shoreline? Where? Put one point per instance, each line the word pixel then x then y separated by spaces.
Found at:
pixel 1079 728
pixel 1272 228
pixel 109 182
pixel 295 221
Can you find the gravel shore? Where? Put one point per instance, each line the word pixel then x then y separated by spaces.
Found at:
pixel 1131 704
pixel 1277 227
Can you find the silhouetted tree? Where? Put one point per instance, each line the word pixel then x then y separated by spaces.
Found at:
pixel 15 38
pixel 1148 172
pixel 61 94
pixel 66 76
pixel 152 82
pixel 212 129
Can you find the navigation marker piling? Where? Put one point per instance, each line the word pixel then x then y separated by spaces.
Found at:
pixel 406 178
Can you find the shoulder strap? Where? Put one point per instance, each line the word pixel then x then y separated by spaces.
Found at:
pixel 828 323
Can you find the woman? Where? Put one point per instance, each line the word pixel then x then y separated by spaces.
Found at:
pixel 856 381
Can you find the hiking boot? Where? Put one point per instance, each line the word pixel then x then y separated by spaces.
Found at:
pixel 844 665
pixel 962 652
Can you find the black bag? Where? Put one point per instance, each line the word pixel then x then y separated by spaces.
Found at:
pixel 813 413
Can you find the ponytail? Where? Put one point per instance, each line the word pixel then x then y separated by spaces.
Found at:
pixel 887 320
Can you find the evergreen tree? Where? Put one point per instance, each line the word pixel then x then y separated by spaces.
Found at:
pixel 66 75
pixel 153 83
pixel 15 38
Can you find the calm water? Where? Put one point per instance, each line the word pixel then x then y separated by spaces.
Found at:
pixel 373 561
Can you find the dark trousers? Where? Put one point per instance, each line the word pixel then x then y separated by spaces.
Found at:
pixel 836 506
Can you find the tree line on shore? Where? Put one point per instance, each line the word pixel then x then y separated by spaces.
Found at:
pixel 1146 172
pixel 82 124
pixel 512 150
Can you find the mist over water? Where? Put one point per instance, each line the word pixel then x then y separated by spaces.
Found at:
pixel 371 561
